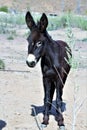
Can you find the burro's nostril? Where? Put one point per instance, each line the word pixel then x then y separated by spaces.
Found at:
pixel 32 64
pixel 27 63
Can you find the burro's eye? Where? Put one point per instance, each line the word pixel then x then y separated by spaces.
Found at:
pixel 38 44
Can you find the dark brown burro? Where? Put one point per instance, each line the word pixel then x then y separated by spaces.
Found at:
pixel 55 65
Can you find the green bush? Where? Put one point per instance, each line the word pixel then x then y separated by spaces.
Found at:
pixel 2 65
pixel 10 38
pixel 84 40
pixel 4 9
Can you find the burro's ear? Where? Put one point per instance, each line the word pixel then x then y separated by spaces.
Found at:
pixel 29 21
pixel 43 22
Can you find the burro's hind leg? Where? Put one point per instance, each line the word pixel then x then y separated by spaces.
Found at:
pixel 60 119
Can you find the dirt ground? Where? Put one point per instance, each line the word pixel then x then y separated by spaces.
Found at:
pixel 21 88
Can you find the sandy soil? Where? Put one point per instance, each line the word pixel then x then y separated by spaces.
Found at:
pixel 21 87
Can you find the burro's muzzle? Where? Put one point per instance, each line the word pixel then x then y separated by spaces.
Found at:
pixel 31 60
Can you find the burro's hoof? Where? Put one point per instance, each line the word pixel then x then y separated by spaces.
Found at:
pixel 43 126
pixel 61 128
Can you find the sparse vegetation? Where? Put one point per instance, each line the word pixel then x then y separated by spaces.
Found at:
pixel 9 20
pixel 2 64
pixel 60 21
pixel 10 37
pixel 4 9
pixel 84 40
pixel 74 62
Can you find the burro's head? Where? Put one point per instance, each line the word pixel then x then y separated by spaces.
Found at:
pixel 36 39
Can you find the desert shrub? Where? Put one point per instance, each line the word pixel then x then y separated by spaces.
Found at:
pixel 2 64
pixel 4 9
pixel 84 40
pixel 10 37
pixel 54 23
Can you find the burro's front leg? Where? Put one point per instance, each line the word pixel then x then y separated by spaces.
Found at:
pixel 59 116
pixel 47 99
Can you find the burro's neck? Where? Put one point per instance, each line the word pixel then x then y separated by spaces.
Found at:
pixel 49 55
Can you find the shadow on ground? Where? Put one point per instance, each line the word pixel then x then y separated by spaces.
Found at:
pixel 40 109
pixel 2 124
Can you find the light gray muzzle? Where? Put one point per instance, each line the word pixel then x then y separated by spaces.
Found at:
pixel 31 60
